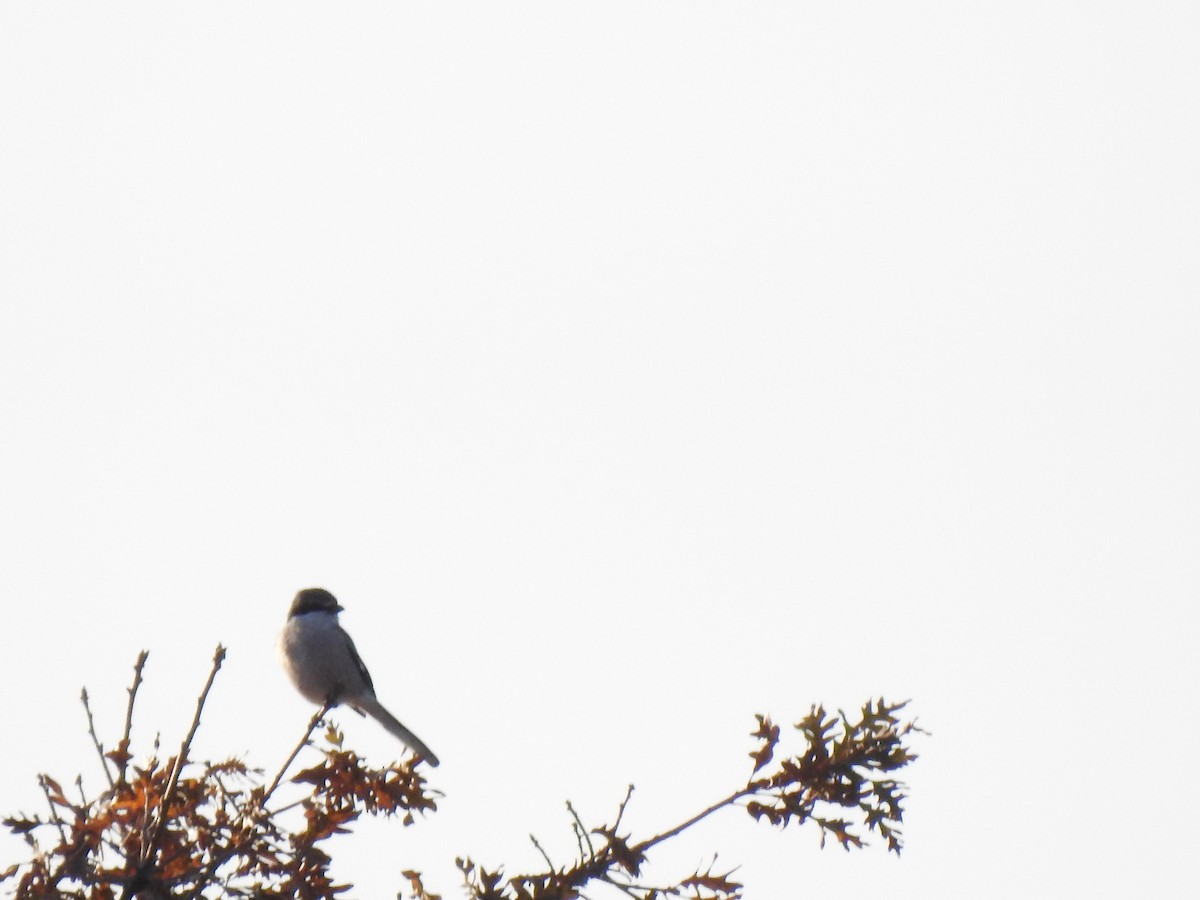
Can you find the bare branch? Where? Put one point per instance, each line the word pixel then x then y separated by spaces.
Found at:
pixel 621 810
pixel 582 829
pixel 83 696
pixel 132 690
pixel 44 781
pixel 184 748
pixel 720 804
pixel 545 856
pixel 312 726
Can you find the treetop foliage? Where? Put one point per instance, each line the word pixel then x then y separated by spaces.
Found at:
pixel 179 828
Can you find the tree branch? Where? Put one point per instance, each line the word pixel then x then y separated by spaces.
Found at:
pixel 83 696
pixel 123 745
pixel 160 818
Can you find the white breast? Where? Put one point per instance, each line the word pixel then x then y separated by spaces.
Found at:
pixel 313 651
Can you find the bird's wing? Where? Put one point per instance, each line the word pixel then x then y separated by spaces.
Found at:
pixel 362 667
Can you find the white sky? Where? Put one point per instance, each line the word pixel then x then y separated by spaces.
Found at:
pixel 626 369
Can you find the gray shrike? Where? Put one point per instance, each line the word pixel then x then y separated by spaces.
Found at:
pixel 321 660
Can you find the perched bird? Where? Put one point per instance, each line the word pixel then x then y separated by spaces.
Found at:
pixel 321 660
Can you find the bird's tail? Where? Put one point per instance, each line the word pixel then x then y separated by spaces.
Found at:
pixel 376 711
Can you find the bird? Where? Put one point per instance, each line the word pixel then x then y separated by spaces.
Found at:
pixel 321 661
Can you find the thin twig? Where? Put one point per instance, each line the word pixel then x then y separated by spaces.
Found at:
pixel 720 804
pixel 621 809
pixel 287 808
pixel 545 856
pixel 123 746
pixel 312 726
pixel 628 889
pixel 181 758
pixel 579 841
pixel 44 782
pixel 582 830
pixel 83 696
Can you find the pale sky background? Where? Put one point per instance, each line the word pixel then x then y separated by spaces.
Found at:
pixel 626 369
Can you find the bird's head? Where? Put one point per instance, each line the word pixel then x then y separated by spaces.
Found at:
pixel 314 600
